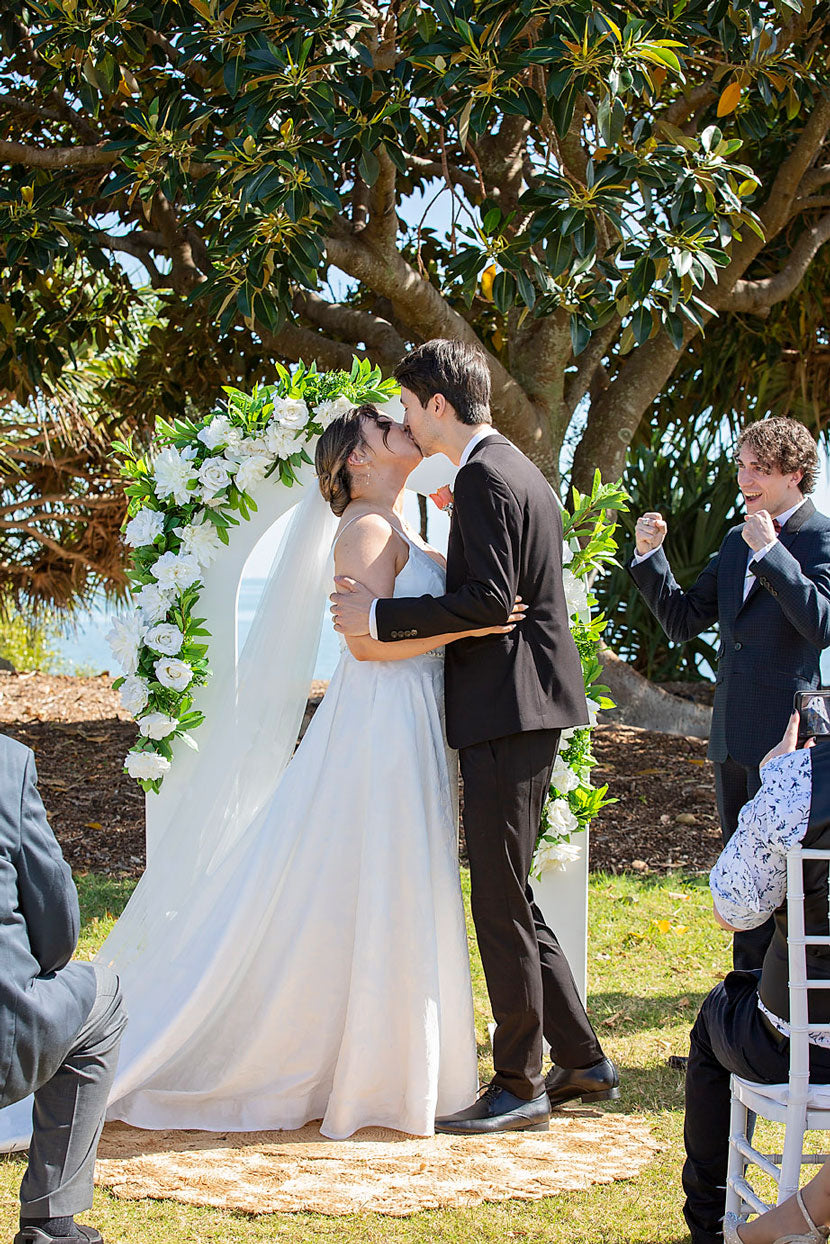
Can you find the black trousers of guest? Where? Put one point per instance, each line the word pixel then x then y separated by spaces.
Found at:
pixel 730 1035
pixel 531 988
pixel 735 785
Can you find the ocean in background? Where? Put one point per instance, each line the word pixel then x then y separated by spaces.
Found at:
pixel 87 649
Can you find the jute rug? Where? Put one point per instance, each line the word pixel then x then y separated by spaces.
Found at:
pixel 376 1170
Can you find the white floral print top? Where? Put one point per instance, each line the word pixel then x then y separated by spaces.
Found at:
pixel 749 881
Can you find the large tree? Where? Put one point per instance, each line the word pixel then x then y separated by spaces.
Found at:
pixel 616 175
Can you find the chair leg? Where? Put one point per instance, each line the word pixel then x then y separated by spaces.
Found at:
pixel 793 1152
pixel 737 1162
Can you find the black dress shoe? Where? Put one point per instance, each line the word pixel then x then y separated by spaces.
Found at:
pixel 497 1110
pixel 598 1083
pixel 36 1235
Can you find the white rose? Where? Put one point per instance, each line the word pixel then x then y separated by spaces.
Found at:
pixel 291 412
pixel 175 571
pixel 562 778
pixel 125 638
pixel 214 476
pixel 216 433
pixel 576 594
pixel 326 412
pixel 281 442
pixel 560 818
pixel 152 602
pixel 144 528
pixel 157 725
pixel 146 766
pixel 173 673
pixel 165 638
pixel 553 856
pixel 200 540
pixel 134 694
pixel 173 472
pixel 251 472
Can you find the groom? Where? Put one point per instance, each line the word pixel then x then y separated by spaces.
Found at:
pixel 507 699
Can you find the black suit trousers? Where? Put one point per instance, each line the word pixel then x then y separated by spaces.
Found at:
pixel 735 785
pixel 729 1035
pixel 531 988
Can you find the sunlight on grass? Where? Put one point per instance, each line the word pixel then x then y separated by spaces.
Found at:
pixel 654 952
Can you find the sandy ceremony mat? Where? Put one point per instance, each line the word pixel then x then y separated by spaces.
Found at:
pixel 377 1170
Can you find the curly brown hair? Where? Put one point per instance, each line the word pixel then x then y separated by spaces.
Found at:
pixel 782 444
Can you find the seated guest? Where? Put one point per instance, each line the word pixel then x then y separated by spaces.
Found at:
pixel 742 1025
pixel 60 1022
pixel 801 1219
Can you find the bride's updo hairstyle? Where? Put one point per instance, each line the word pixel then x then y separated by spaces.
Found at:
pixel 331 458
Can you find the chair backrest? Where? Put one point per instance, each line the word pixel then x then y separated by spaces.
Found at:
pixel 797 942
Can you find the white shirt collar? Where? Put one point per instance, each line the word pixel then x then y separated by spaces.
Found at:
pixel 486 429
pixel 787 515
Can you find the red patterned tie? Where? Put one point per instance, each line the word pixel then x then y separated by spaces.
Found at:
pixel 776 526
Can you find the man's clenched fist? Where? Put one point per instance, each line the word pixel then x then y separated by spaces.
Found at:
pixel 650 532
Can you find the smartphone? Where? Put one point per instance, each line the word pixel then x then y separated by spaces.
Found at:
pixel 813 708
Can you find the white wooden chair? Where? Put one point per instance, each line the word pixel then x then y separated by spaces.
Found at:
pixel 799 1105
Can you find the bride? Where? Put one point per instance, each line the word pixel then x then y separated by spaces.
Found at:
pixel 321 970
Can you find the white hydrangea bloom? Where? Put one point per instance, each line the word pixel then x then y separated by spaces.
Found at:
pixel 560 818
pixel 326 412
pixel 576 594
pixel 165 638
pixel 146 766
pixel 157 725
pixel 144 528
pixel 553 856
pixel 173 673
pixel 153 603
pixel 563 777
pixel 214 476
pixel 292 412
pixel 134 694
pixel 173 472
pixel 200 539
pixel 281 442
pixel 125 638
pixel 175 572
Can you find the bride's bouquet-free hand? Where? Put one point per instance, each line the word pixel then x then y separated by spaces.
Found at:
pixel 184 497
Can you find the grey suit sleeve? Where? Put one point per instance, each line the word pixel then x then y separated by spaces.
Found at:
pixel 46 892
pixel 803 595
pixel 681 614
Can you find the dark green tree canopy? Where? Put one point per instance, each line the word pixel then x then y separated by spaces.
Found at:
pixel 616 175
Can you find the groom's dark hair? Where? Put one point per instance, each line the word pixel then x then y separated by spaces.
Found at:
pixel 454 369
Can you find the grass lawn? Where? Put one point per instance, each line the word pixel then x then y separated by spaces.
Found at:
pixel 653 953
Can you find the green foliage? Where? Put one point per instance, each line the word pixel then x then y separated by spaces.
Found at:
pixel 686 473
pixel 30 643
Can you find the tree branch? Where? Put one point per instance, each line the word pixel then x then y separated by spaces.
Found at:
pixel 758 296
pixel 435 168
pixel 293 342
pixel 385 343
pixel 814 179
pixel 382 227
pixel 56 157
pixel 578 384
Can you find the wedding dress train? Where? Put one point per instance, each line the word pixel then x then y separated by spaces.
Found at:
pixel 332 979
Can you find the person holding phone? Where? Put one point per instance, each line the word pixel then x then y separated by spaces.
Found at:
pixel 768 589
pixel 742 1026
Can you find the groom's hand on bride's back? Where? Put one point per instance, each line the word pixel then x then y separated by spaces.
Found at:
pixel 350 606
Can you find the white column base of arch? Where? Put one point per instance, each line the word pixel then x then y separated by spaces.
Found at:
pixel 562 896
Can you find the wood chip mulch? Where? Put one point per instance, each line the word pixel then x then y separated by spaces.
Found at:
pixel 665 816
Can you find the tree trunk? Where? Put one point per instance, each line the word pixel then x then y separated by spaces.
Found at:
pixel 640 703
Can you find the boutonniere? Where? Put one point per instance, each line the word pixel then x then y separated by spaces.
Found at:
pixel 443 499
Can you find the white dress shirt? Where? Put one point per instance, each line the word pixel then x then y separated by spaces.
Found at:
pixel 486 429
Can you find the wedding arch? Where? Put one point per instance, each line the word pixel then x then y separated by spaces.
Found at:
pixel 200 500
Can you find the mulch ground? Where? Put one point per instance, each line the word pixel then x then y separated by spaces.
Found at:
pixel 665 816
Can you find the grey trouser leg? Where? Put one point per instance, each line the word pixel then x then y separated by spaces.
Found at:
pixel 69 1111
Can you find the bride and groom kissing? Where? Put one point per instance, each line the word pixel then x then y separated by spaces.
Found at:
pixel 296 947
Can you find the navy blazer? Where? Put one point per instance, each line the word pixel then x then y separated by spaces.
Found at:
pixel 505 540
pixel 770 643
pixel 44 999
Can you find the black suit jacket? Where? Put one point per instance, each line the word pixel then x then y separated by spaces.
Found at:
pixel 505 540
pixel 44 999
pixel 770 643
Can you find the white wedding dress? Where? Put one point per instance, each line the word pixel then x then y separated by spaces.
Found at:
pixel 331 979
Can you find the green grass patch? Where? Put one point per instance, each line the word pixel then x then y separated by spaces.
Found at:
pixel 653 953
